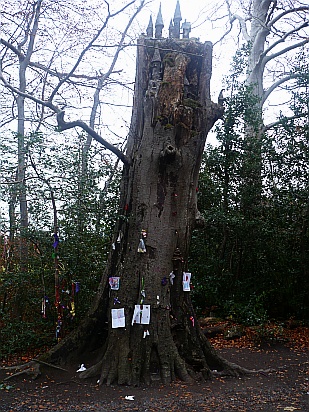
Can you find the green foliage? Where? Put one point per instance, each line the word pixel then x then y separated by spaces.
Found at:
pixel 251 258
pixel 191 103
pixel 169 59
pixel 6 386
pixel 248 310
pixel 24 336
pixel 239 65
pixel 85 192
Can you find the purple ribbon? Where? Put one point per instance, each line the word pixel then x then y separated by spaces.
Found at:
pixel 56 241
pixel 164 281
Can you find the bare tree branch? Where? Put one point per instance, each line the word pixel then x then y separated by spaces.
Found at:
pixel 68 125
pixel 101 81
pixel 26 95
pixel 232 19
pixel 78 123
pixel 226 33
pixel 283 51
pixel 24 41
pixel 55 73
pixel 13 48
pixel 279 122
pixel 66 77
pixel 243 26
pixel 271 11
pixel 33 32
pixel 87 48
pixel 284 13
pixel 80 57
pixel 277 84
pixel 282 39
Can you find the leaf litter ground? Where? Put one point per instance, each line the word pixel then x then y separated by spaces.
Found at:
pixel 285 388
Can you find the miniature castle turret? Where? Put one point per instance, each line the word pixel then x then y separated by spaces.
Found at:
pixel 177 19
pixel 174 27
pixel 159 24
pixel 171 30
pixel 156 64
pixel 186 28
pixel 149 30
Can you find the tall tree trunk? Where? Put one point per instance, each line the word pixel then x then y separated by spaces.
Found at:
pixel 258 35
pixel 21 171
pixel 19 191
pixel 252 182
pixel 30 32
pixel 172 115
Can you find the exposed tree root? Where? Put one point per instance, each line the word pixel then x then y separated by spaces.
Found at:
pixel 113 369
pixel 232 370
pixel 126 366
pixel 185 354
pixel 50 365
pixel 109 371
pixel 237 371
pixel 160 359
pixel 92 371
pixel 31 368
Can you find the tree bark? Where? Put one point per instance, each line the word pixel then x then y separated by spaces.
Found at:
pixel 24 60
pixel 172 115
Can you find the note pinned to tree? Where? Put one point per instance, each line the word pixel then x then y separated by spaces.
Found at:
pixel 141 314
pixel 118 318
pixel 186 279
pixel 114 283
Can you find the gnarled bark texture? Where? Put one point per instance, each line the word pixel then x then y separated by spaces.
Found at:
pixel 172 115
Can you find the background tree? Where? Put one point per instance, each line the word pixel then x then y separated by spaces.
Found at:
pixel 158 202
pixel 161 166
pixel 39 23
pixel 49 166
pixel 82 251
pixel 238 246
pixel 273 32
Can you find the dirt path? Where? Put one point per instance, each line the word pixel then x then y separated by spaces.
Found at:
pixel 285 389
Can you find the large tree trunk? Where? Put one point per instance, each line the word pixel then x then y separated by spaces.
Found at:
pixel 252 169
pixel 258 35
pixel 172 115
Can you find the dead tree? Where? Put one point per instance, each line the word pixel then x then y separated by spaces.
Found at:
pixel 142 324
pixel 158 332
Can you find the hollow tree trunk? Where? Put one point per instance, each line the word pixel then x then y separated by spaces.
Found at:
pixel 172 115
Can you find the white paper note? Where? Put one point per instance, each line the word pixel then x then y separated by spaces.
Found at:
pixel 141 314
pixel 118 318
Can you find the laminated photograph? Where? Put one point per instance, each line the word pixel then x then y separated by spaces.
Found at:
pixel 186 281
pixel 118 318
pixel 114 283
